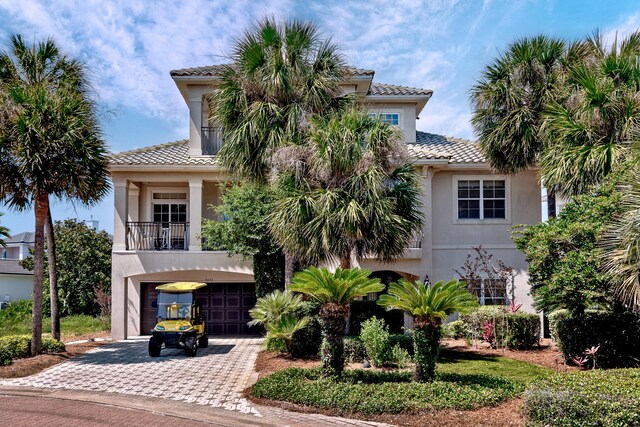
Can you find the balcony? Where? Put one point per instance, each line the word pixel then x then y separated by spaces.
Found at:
pixel 157 236
pixel 416 242
pixel 211 140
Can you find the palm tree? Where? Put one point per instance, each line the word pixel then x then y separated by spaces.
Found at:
pixel 4 232
pixel 349 191
pixel 429 306
pixel 334 291
pixel 280 74
pixel 592 114
pixel 277 312
pixel 50 142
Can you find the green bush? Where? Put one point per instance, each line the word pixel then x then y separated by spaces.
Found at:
pixel 307 341
pixel 456 330
pixel 375 337
pixel 354 351
pixel 19 309
pixel 617 334
pixel 364 310
pixel 19 346
pixel 593 398
pixel 403 341
pixel 375 392
pixel 512 330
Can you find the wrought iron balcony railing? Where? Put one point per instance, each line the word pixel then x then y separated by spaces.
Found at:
pixel 211 140
pixel 157 236
pixel 416 242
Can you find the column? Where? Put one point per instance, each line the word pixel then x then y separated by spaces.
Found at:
pixel 195 213
pixel 119 301
pixel 195 125
pixel 133 199
pixel 427 226
pixel 120 214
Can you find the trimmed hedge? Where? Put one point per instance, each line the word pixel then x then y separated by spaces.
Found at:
pixel 19 346
pixel 617 334
pixel 364 310
pixel 456 330
pixel 354 351
pixel 593 398
pixel 517 331
pixel 376 392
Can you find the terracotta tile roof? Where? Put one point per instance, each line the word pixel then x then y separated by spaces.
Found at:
pixel 427 146
pixel 170 153
pixel 215 70
pixel 387 89
pixel 433 146
pixel 12 266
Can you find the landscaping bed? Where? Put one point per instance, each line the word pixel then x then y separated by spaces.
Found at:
pixel 503 407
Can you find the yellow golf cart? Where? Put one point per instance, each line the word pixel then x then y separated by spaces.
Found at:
pixel 181 323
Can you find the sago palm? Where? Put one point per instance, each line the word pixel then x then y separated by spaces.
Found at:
pixel 50 143
pixel 349 191
pixel 273 306
pixel 429 306
pixel 334 291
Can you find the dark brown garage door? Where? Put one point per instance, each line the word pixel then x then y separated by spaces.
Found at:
pixel 225 305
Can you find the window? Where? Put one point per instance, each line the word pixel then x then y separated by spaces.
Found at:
pixel 169 207
pixel 481 199
pixel 489 291
pixel 390 118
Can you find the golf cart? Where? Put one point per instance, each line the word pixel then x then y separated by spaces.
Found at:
pixel 180 319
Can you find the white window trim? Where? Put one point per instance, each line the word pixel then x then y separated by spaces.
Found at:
pixel 152 202
pixel 483 297
pixel 507 197
pixel 399 112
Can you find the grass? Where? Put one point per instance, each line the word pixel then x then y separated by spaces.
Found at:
pixel 464 381
pixel 70 326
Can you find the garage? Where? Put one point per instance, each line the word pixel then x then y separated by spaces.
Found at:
pixel 225 305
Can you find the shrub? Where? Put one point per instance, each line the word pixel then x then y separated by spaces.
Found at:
pixel 375 337
pixel 403 341
pixel 363 310
pixel 19 309
pixel 375 392
pixel 593 398
pixel 18 346
pixel 617 334
pixel 354 351
pixel 512 330
pixel 456 330
pixel 307 341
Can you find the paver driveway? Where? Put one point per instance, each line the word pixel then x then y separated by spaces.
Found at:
pixel 215 377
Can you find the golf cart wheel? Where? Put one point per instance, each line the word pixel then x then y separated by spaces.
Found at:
pixel 190 346
pixel 154 347
pixel 203 341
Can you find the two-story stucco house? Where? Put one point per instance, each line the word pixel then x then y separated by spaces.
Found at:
pixel 162 193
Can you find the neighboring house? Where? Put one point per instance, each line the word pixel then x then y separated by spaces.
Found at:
pixel 18 245
pixel 162 193
pixel 15 282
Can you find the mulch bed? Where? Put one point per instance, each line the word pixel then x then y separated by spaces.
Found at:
pixel 508 414
pixel 32 365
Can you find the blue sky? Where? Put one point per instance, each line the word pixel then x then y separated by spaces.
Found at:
pixel 129 48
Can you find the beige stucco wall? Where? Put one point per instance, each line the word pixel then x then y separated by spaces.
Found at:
pixel 407 113
pixel 16 286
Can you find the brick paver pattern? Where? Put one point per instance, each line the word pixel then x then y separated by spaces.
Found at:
pixel 215 377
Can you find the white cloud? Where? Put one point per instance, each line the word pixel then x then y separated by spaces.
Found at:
pixel 625 26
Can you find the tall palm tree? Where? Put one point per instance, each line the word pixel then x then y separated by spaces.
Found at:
pixel 509 101
pixel 592 114
pixel 280 74
pixel 50 142
pixel 4 232
pixel 429 306
pixel 349 191
pixel 334 291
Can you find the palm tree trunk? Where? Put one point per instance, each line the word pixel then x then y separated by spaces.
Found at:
pixel 333 322
pixel 345 263
pixel 53 279
pixel 289 267
pixel 41 209
pixel 426 346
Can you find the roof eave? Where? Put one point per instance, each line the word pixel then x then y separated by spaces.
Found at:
pixel 420 100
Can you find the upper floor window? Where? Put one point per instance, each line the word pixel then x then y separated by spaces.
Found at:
pixel 481 198
pixel 169 207
pixel 389 118
pixel 489 291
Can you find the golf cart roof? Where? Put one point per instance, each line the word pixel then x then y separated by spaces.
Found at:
pixel 180 286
